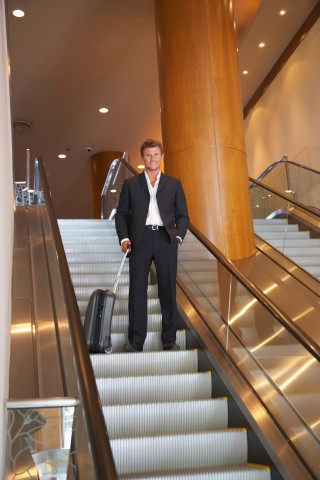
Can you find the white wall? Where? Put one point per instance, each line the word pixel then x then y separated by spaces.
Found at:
pixel 287 117
pixel 6 232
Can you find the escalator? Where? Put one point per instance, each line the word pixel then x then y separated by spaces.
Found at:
pixel 280 369
pixel 277 358
pixel 239 401
pixel 164 413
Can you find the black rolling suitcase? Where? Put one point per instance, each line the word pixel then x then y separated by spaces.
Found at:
pixel 97 321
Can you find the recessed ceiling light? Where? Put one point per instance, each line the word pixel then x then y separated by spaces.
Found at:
pixel 262 44
pixel 113 190
pixel 245 72
pixel 62 155
pixel 141 166
pixel 103 110
pixel 21 126
pixel 18 13
pixel 282 12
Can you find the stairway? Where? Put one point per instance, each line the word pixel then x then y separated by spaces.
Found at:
pixel 161 413
pixel 292 242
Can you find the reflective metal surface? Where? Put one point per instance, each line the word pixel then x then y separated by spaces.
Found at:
pixel 284 374
pixel 49 357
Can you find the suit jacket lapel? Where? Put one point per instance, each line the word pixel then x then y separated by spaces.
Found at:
pixel 163 180
pixel 143 181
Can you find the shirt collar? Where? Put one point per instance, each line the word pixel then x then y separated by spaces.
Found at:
pixel 157 178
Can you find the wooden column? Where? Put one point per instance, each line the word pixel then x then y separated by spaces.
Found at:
pixel 201 115
pixel 100 164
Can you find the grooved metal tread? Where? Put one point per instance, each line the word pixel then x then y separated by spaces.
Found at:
pixel 145 363
pixel 136 420
pixel 237 472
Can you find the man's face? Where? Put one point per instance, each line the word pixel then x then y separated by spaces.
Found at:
pixel 152 158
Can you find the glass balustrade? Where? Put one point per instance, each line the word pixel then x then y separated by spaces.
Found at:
pixel 302 182
pixel 40 439
pixel 287 225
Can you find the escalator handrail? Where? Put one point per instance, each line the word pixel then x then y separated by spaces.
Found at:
pixel 284 159
pixel 298 204
pixel 105 188
pixel 311 346
pixel 100 446
pixel 282 318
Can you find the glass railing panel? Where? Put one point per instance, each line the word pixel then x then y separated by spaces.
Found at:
pixel 287 226
pixel 305 185
pixel 40 440
pixel 302 182
pixel 111 190
pixel 278 367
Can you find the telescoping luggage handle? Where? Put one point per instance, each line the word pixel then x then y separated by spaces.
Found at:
pixel 115 286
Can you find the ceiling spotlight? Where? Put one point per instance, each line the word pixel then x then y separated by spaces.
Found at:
pixel 21 126
pixel 103 110
pixel 262 44
pixel 141 166
pixel 282 12
pixel 245 72
pixel 18 13
pixel 62 155
pixel 113 190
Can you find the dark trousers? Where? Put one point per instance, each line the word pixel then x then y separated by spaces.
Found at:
pixel 156 246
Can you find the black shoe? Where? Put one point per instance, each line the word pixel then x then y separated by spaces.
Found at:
pixel 171 345
pixel 132 347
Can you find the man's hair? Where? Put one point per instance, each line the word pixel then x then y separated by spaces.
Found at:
pixel 151 143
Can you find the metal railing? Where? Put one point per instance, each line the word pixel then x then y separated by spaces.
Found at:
pixel 302 182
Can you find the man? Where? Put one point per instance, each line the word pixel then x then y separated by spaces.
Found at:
pixel 152 220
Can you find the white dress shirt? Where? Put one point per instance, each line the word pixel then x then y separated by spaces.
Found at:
pixel 153 217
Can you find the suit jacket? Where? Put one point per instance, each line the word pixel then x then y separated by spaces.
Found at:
pixel 134 204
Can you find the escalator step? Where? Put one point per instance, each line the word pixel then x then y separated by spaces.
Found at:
pixel 84 292
pixel 145 363
pixel 182 451
pixel 120 323
pixel 239 472
pixel 97 268
pixel 94 279
pixel 96 239
pixel 94 257
pixel 91 248
pixel 161 388
pixel 121 306
pixel 166 418
pixel 153 341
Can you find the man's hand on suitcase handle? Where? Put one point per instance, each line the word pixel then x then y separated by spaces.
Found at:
pixel 126 246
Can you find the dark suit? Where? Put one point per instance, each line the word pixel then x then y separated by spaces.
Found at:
pixel 147 245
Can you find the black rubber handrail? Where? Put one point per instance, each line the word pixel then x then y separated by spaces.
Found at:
pixel 103 461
